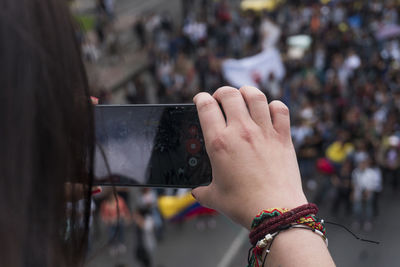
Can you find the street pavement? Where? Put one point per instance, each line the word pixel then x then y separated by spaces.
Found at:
pixel 182 245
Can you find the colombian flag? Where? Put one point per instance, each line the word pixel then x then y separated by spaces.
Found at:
pixel 178 208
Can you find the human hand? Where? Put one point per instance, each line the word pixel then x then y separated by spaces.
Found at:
pixel 253 160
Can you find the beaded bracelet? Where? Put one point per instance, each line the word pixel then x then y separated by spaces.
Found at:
pixel 257 251
pixel 261 244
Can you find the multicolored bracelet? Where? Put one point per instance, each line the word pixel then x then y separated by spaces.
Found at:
pixel 273 224
pixel 269 223
pixel 264 215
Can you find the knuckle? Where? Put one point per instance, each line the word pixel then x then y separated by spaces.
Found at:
pixel 247 134
pixel 247 88
pixel 259 97
pixel 227 91
pixel 279 107
pixel 219 144
pixel 253 94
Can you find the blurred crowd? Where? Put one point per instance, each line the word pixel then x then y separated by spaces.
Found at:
pixel 343 89
pixel 186 58
pixel 344 96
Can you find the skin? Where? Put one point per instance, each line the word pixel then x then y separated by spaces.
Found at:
pixel 255 167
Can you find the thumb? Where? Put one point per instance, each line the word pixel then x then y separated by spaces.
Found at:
pixel 203 196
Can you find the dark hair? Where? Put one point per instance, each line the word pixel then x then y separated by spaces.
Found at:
pixel 46 136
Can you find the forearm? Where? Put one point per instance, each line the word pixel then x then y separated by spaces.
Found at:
pixel 298 247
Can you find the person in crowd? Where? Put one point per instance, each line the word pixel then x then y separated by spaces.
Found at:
pixel 114 213
pixel 378 187
pixel 308 151
pixel 147 200
pixel 145 234
pixel 140 32
pixel 365 181
pixel 109 8
pixel 342 183
pixel 389 157
pixel 100 22
pixel 340 149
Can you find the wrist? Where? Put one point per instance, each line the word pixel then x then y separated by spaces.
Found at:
pixel 314 251
pixel 287 203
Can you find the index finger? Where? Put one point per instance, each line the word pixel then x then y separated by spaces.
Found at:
pixel 211 118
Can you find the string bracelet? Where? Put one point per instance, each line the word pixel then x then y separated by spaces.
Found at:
pixel 264 215
pixel 280 221
pixel 255 252
pixel 270 215
pixel 313 222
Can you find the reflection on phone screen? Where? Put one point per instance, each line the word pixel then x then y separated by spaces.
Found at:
pixel 151 146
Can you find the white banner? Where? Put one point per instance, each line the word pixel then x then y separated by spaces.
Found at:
pixel 255 69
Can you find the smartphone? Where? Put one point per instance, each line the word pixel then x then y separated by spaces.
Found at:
pixel 150 145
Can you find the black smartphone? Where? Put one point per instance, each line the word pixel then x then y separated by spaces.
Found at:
pixel 150 145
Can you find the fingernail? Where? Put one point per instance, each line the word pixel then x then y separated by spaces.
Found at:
pixel 96 191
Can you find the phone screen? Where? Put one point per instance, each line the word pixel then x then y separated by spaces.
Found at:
pixel 150 145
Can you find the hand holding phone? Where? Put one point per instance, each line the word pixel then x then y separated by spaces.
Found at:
pixel 252 155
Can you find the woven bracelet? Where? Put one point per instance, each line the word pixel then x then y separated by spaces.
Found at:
pixel 276 213
pixel 264 215
pixel 282 220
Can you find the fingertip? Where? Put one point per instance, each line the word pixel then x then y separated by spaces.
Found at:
pixel 280 115
pixel 94 100
pixel 197 192
pixel 279 107
pixel 198 95
pixel 96 190
pixel 195 97
pixel 201 195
